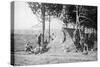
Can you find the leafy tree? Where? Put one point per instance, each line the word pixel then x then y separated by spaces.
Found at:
pixel 39 10
pixel 82 16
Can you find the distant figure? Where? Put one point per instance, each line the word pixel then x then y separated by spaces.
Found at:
pixel 64 36
pixel 52 36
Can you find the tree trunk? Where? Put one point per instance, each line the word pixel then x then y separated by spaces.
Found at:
pixel 76 28
pixel 43 22
pixel 76 33
pixel 49 27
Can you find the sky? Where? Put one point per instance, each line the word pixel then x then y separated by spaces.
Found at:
pixel 24 19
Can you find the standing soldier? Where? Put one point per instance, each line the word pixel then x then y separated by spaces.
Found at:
pixel 40 42
pixel 82 41
pixel 40 39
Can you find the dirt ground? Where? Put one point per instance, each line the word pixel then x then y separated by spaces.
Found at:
pixel 55 55
pixel 22 58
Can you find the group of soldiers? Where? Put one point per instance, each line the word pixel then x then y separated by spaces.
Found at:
pixel 38 49
pixel 83 41
pixel 41 46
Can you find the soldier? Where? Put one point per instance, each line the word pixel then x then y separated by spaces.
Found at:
pixel 82 41
pixel 28 47
pixel 39 39
pixel 40 42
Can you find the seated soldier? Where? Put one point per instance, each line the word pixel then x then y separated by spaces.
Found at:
pixel 28 47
